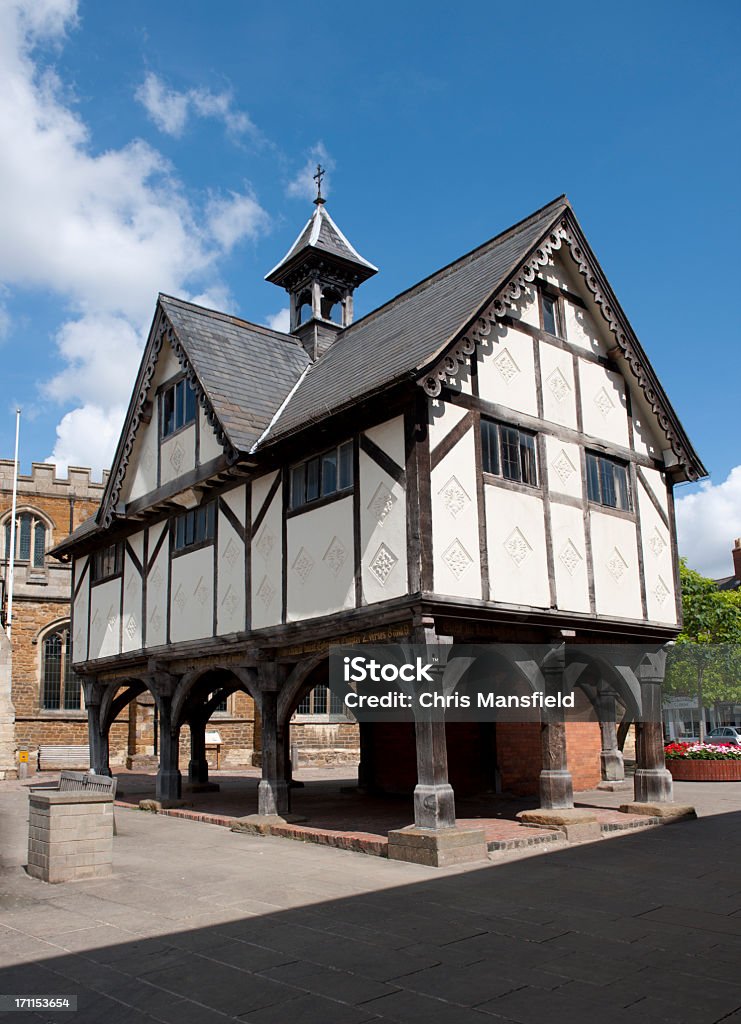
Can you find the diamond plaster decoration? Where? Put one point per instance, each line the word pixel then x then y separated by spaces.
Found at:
pixel 201 592
pixel 111 620
pixel 156 579
pixel 231 553
pixel 131 627
pixel 176 456
pixel 155 620
pixel 570 557
pixel 381 503
pixel 559 386
pixel 517 546
pixel 148 459
pixel 382 564
pixel 180 599
pixel 265 544
pixel 266 592
pixel 661 591
pixel 564 467
pixel 457 558
pixel 95 618
pixel 230 601
pixel 454 497
pixel 616 565
pixel 604 403
pixel 303 564
pixel 506 366
pixel 335 555
pixel 656 542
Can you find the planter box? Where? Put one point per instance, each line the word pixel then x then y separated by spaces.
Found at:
pixel 687 770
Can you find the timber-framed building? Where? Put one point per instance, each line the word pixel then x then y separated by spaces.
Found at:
pixel 488 456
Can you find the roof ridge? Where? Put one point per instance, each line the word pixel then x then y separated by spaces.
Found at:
pixel 520 225
pixel 236 320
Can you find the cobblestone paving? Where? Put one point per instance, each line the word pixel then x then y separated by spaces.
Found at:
pixel 199 924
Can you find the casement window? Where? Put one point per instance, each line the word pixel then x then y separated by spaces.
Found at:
pixel 509 452
pixel 30 539
pixel 321 701
pixel 607 482
pixel 323 475
pixel 551 312
pixel 198 526
pixel 60 687
pixel 106 563
pixel 177 407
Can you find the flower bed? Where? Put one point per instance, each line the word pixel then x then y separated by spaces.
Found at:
pixel 703 762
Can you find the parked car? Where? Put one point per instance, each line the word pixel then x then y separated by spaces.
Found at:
pixel 726 734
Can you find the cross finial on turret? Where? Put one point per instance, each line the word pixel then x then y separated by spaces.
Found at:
pixel 320 172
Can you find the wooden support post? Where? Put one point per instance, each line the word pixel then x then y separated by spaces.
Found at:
pixel 653 782
pixel 97 739
pixel 198 764
pixel 169 780
pixel 366 770
pixel 434 800
pixel 273 791
pixel 611 759
pixel 556 787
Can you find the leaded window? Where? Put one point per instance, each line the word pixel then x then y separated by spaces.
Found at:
pixel 30 539
pixel 323 475
pixel 60 686
pixel 508 452
pixel 197 526
pixel 106 562
pixel 177 407
pixel 607 482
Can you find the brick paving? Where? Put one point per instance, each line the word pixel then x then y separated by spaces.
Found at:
pixel 203 925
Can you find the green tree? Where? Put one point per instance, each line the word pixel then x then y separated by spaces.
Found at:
pixel 707 655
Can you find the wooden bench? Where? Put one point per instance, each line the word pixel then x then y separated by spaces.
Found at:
pixel 84 782
pixel 53 756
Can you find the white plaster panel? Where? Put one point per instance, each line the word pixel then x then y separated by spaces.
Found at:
pixel 267 555
pixel 321 561
pixel 526 308
pixel 79 625
pixel 603 403
pixel 657 483
pixel 581 329
pixel 564 467
pixel 105 618
pixel 230 600
pixel 132 599
pixel 383 539
pixel 390 437
pixel 617 588
pixel 648 438
pixel 209 447
pixel 168 365
pixel 569 558
pixel 178 454
pixel 443 417
pixel 658 564
pixel 557 381
pixel 507 371
pixel 192 595
pixel 515 534
pixel 456 557
pixel 141 474
pixel 156 633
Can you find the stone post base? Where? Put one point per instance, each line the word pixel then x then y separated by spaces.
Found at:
pixel 70 835
pixel 437 848
pixel 577 825
pixel 434 806
pixel 653 786
pixel 667 812
pixel 262 824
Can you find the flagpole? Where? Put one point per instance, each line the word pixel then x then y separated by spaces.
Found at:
pixel 11 567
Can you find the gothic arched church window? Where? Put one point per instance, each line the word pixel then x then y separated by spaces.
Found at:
pixel 30 539
pixel 60 687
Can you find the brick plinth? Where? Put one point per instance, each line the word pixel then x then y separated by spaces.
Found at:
pixel 687 770
pixel 70 835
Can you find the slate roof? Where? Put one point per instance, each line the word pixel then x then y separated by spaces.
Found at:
pixel 321 234
pixel 246 370
pixel 410 330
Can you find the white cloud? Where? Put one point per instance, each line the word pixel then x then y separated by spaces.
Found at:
pixel 104 233
pixel 234 217
pixel 170 109
pixel 303 186
pixel 280 321
pixel 708 521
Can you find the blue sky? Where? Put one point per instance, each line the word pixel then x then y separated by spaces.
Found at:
pixel 165 146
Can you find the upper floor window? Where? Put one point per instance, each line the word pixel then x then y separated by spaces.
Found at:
pixel 198 526
pixel 177 407
pixel 509 452
pixel 60 687
pixel 607 482
pixel 106 563
pixel 549 304
pixel 30 539
pixel 325 474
